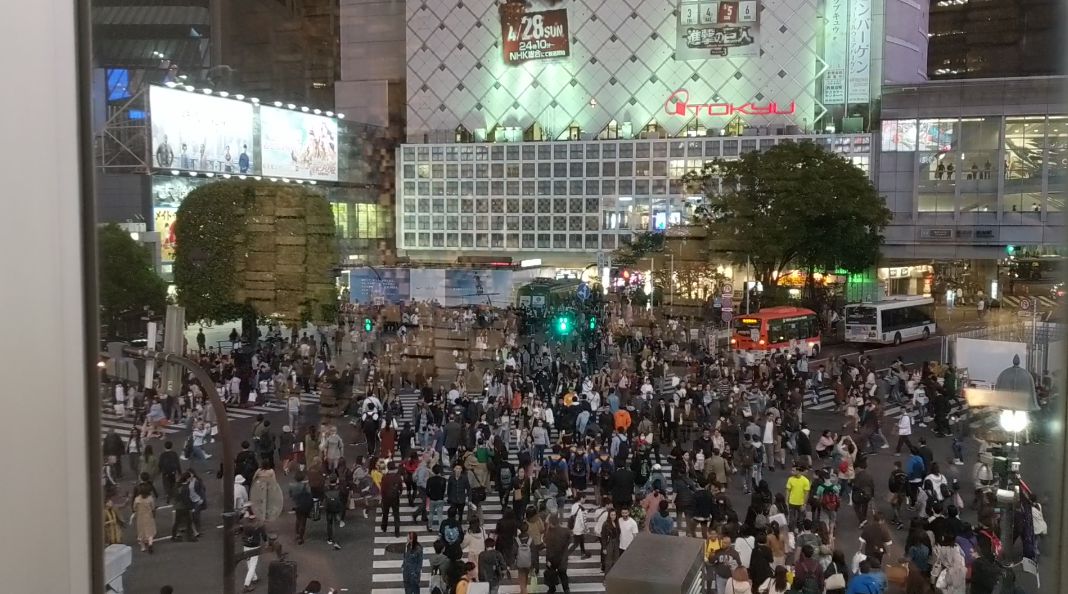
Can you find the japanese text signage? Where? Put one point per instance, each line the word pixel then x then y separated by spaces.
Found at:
pixel 858 77
pixel 534 35
pixel 836 37
pixel 717 29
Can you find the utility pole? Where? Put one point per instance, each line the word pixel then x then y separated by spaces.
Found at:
pixel 230 561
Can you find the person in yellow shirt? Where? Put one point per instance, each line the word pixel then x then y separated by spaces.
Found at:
pixel 470 575
pixel 797 488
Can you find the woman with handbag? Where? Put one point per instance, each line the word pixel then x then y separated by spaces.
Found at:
pixel 836 576
pixel 948 572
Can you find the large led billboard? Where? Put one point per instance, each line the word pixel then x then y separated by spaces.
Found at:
pixel 195 132
pixel 297 144
pixel 717 29
pixel 534 35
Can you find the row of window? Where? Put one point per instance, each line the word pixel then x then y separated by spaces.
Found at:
pixel 624 150
pixel 516 241
pixel 559 169
pixel 543 188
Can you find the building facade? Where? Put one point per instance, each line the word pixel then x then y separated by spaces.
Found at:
pixel 974 171
pixel 996 38
pixel 557 129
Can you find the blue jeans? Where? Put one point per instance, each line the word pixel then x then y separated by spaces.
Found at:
pixel 958 448
pixel 198 453
pixel 437 514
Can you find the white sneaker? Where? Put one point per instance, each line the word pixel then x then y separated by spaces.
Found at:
pixel 341 523
pixel 958 462
pixel 207 456
pixel 182 458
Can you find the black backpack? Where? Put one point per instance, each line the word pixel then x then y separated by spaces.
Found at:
pixel 623 450
pixel 578 466
pixel 333 501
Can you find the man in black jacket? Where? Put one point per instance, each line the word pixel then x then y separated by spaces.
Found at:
pixel 457 490
pixel 622 487
pixel 557 540
pixel 436 487
pixel 245 462
pixel 169 468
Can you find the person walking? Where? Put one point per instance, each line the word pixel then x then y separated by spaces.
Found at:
pixel 392 484
pixel 557 540
pixel 169 468
pixel 457 490
pixel 144 513
pixel 303 503
pixel 412 565
pixel 253 536
pixel 436 488
pixel 334 506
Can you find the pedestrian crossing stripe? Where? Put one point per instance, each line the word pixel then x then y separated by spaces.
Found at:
pixel 584 574
pixel 959 408
pixel 1043 301
pixel 122 425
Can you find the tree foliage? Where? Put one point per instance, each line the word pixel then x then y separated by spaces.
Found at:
pixel 641 245
pixel 128 282
pixel 253 247
pixel 795 204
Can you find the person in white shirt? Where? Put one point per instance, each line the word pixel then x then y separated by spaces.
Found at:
pixel 240 492
pixel 904 431
pixel 934 482
pixel 578 527
pixel 628 529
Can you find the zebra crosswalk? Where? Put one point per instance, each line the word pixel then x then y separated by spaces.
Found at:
pixel 122 424
pixel 584 573
pixel 979 418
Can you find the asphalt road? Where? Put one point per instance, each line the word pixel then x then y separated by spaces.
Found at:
pixel 197 567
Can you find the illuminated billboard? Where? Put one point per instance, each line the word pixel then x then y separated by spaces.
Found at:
pixel 299 145
pixel 195 132
pixel 717 29
pixel 534 35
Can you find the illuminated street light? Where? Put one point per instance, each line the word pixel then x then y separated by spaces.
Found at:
pixel 1014 421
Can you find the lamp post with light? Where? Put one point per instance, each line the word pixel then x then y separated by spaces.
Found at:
pixel 1013 422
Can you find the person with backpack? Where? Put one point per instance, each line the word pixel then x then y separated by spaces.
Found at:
pixel 897 485
pixel 916 470
pixel 452 534
pixel 333 505
pixel 863 490
pixel 808 575
pixel 492 568
pixel 524 558
pixel 828 494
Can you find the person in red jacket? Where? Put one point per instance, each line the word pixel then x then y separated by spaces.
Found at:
pixel 392 484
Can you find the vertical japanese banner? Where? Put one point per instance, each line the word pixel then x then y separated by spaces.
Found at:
pixel 858 78
pixel 836 45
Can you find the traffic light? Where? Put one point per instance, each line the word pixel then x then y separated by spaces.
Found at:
pixel 562 325
pixel 593 322
pixel 1010 249
pixel 368 325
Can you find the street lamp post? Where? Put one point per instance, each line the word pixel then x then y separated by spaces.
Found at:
pixel 1008 493
pixel 230 561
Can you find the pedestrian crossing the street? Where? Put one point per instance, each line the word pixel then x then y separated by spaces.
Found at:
pixel 825 402
pixel 584 574
pixel 111 421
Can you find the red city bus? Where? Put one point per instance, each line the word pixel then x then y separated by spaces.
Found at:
pixel 777 328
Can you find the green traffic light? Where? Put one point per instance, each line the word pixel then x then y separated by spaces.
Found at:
pixel 368 325
pixel 593 323
pixel 563 325
pixel 1010 249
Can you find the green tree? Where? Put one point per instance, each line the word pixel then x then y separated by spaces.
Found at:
pixel 795 204
pixel 251 250
pixel 128 283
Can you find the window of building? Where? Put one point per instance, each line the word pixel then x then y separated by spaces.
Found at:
pixel 1056 161
pixel 898 135
pixel 609 132
pixel 462 135
pixel 534 133
pixel 572 132
pixel 341 218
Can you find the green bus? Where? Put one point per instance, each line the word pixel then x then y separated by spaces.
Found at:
pixel 541 293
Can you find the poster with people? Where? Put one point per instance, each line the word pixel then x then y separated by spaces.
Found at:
pixel 299 145
pixel 163 223
pixel 196 132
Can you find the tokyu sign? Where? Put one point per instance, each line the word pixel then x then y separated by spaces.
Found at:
pixel 534 35
pixel 678 104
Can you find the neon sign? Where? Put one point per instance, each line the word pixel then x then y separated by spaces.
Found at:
pixel 678 104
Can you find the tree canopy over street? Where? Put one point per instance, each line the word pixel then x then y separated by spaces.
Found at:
pixel 795 204
pixel 252 248
pixel 128 282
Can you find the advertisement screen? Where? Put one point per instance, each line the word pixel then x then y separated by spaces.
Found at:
pixel 195 132
pixel 169 191
pixel 535 36
pixel 297 144
pixel 717 29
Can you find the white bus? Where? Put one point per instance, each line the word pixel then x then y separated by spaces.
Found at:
pixel 890 322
